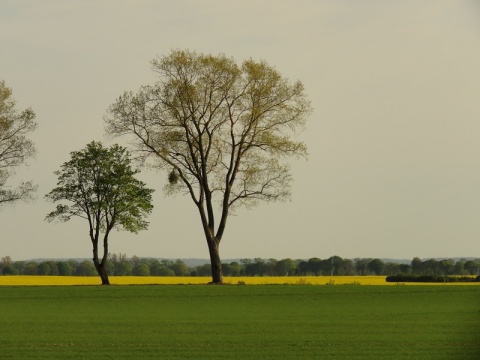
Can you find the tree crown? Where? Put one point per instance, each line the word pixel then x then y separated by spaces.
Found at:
pixel 221 130
pixel 100 185
pixel 15 147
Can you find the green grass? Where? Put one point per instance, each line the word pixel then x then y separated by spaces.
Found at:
pixel 240 322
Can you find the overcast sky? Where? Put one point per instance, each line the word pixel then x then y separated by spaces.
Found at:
pixel 394 139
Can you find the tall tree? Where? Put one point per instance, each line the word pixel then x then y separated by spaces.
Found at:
pixel 15 147
pixel 100 185
pixel 223 132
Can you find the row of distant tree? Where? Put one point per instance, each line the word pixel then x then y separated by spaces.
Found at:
pixel 121 265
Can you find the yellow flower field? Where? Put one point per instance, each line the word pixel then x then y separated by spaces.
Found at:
pixel 163 280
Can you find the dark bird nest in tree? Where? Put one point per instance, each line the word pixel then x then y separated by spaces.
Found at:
pixel 172 177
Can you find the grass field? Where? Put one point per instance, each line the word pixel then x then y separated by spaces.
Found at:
pixel 239 322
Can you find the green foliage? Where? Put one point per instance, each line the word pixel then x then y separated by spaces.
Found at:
pixel 9 270
pixel 99 184
pixel 376 266
pixel 472 267
pixel 121 265
pixel 179 268
pixel 85 268
pixel 241 322
pixel 15 147
pixel 64 268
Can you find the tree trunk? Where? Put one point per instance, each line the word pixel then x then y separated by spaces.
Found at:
pixel 103 273
pixel 216 263
pixel 100 266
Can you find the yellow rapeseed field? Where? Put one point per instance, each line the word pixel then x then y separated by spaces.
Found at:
pixel 164 280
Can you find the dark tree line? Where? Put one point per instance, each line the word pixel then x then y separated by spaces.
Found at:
pixel 117 265
pixel 121 265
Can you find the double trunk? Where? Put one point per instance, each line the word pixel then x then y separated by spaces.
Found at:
pixel 102 272
pixel 100 265
pixel 216 263
pixel 213 239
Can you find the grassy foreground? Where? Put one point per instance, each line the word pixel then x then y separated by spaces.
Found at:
pixel 238 322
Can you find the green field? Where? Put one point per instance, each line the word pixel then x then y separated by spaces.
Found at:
pixel 241 322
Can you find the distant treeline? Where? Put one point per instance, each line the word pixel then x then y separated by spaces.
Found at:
pixel 121 265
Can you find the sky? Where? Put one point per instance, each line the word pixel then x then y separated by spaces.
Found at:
pixel 394 139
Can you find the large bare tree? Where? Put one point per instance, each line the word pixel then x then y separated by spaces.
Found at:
pixel 15 147
pixel 222 131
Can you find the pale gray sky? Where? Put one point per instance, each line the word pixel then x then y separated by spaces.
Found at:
pixel 394 141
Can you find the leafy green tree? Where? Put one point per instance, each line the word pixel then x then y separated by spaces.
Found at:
pixel 392 268
pixel 99 185
pixel 232 269
pixel 445 267
pixel 30 268
pixel 15 147
pixel 53 267
pixel 159 269
pixel 286 267
pixel 405 268
pixel 119 265
pixel 180 268
pixel 258 267
pixel 44 268
pixel 376 266
pixel 431 267
pixel 110 268
pixel 204 270
pixel 348 267
pixel 271 267
pixel 142 269
pixel 335 263
pixel 223 132
pixel 459 268
pixel 314 266
pixel 302 267
pixel 85 268
pixel 7 266
pixel 19 266
pixel 472 267
pixel 9 269
pixel 416 266
pixel 64 268
pixel 123 268
pixel 136 262
pixel 361 265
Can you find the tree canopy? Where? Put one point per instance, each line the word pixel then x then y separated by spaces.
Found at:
pixel 99 185
pixel 222 131
pixel 15 147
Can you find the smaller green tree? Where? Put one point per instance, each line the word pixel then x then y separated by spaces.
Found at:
pixel 100 185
